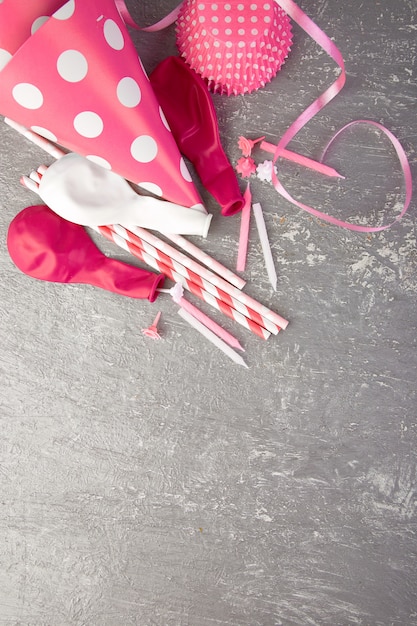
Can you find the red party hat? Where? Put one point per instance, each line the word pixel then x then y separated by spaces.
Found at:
pixel 78 81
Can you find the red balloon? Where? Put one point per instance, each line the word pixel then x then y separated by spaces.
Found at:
pixel 45 246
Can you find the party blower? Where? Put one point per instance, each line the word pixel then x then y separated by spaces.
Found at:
pixel 75 78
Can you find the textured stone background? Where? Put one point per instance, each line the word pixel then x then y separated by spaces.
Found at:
pixel 156 483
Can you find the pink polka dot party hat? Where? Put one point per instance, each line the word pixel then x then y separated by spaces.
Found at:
pixel 237 47
pixel 71 73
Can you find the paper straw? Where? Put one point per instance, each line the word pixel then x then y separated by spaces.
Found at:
pixel 177 295
pixel 208 334
pixel 206 259
pixel 176 255
pixel 29 184
pixel 219 282
pixel 35 176
pixel 189 274
pixel 278 322
pixel 187 284
pixel 36 139
pixel 244 231
pixel 266 248
pixel 302 160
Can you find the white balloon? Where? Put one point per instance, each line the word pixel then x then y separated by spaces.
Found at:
pixel 85 193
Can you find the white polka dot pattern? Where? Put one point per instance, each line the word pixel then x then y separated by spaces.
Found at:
pixel 236 47
pixel 5 57
pixel 72 66
pixel 144 149
pixel 113 35
pixel 28 95
pixel 128 92
pixel 38 23
pixel 44 132
pixel 99 160
pixel 88 124
pixel 65 12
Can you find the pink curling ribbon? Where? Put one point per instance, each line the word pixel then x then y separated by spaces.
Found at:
pixel 163 23
pixel 328 46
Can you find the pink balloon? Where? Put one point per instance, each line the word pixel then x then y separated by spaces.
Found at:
pixel 45 246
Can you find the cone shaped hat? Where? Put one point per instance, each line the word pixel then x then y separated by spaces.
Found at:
pixel 77 80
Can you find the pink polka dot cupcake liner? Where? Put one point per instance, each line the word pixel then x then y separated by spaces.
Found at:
pixel 236 47
pixel 72 74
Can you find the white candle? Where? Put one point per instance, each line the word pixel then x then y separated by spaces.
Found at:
pixel 208 334
pixel 266 248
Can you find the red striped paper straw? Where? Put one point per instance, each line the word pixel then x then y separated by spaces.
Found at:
pixel 177 294
pixel 187 284
pixel 218 293
pixel 302 160
pixel 176 255
pixel 206 259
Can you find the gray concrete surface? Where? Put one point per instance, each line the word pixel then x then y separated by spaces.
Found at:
pixel 156 483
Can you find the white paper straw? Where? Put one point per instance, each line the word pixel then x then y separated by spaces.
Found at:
pixel 208 334
pixel 36 177
pixel 29 184
pixel 266 248
pixel 39 141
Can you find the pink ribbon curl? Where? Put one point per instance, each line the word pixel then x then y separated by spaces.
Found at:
pixel 163 23
pixel 328 46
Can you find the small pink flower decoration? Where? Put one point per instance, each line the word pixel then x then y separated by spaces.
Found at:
pixel 246 145
pixel 245 167
pixel 264 171
pixel 152 330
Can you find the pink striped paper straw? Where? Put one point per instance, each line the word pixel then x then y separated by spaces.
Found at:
pixel 137 233
pixel 302 160
pixel 36 139
pixel 244 231
pixel 218 293
pixel 206 259
pixel 187 284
